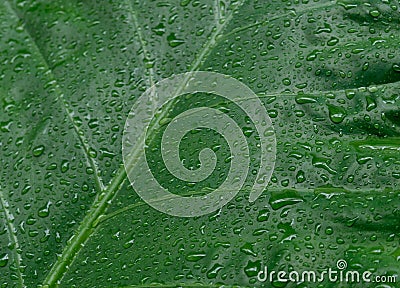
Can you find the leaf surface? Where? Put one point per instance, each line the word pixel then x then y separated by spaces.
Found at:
pixel 328 74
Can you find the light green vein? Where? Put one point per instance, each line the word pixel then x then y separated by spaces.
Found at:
pixel 217 13
pixel 90 161
pixel 86 228
pixel 12 237
pixel 146 53
pixel 213 40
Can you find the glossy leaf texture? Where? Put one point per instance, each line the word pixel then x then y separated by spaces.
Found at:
pixel 328 73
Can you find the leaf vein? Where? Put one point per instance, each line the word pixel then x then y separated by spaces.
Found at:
pixel 90 161
pixel 12 236
pixel 142 41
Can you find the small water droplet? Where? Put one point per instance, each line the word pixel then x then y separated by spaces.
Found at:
pixel 45 210
pixel 333 41
pixel 3 259
pixel 248 249
pixel 286 82
pixel 195 256
pixel 371 104
pixel 213 272
pixel 252 268
pixel 304 99
pixel 374 13
pixel 159 29
pixel 173 41
pixel 263 215
pixel 300 176
pixel 64 166
pixel 284 198
pixel 38 150
pixel 328 231
pixel 336 114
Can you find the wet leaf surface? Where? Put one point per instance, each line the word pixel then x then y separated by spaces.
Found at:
pixel 328 74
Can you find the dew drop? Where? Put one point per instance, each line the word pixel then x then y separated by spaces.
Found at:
pixel 213 272
pixel 45 210
pixel 252 268
pixel 38 150
pixel 173 41
pixel 374 13
pixel 195 256
pixel 300 176
pixel 3 259
pixel 336 114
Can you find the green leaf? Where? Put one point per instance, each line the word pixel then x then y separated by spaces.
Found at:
pixel 328 74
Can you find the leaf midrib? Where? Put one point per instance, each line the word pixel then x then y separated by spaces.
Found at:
pixel 142 41
pixel 86 228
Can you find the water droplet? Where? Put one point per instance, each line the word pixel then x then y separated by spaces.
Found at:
pixel 185 2
pixel 31 220
pixel 3 259
pixel 213 272
pixel 92 153
pixel 93 123
pixel 374 13
pixel 371 104
pixel 351 221
pixel 64 166
pixel 248 131
pixel 350 179
pixel 300 176
pixel 45 210
pixel 286 82
pixel 363 159
pixel 350 94
pixel 328 231
pixel 333 41
pixel 252 268
pixel 323 163
pixel 248 249
pixel 304 99
pixel 128 243
pixel 159 29
pixel 38 150
pixel 336 114
pixel 26 189
pixel 283 198
pixel 195 256
pixel 5 126
pixel 149 63
pixel 173 41
pixel 263 215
